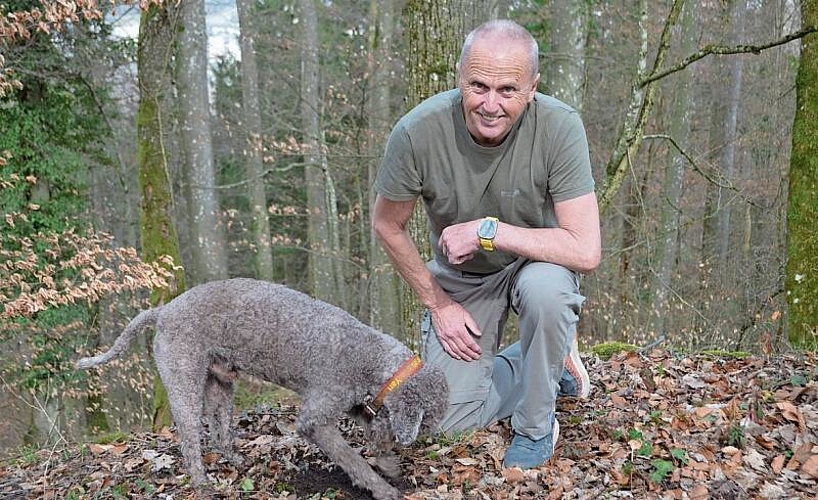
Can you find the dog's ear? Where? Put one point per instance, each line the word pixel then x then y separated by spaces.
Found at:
pixel 418 404
pixel 405 414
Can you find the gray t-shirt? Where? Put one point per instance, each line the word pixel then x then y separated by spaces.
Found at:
pixel 431 154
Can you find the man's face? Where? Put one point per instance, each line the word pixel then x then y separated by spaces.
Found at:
pixel 496 83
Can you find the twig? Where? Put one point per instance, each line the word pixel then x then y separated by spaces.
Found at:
pixel 653 344
pixel 725 50
pixel 721 182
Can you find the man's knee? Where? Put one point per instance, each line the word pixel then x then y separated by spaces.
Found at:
pixel 548 290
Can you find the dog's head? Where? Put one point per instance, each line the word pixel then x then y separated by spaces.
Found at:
pixel 414 407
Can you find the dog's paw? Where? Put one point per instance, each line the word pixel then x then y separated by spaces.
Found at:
pixel 389 465
pixel 387 493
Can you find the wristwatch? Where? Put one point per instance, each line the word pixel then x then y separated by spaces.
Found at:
pixel 486 231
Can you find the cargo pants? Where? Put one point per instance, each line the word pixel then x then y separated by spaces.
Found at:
pixel 522 380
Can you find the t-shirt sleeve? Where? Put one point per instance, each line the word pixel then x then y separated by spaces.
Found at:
pixel 570 174
pixel 398 178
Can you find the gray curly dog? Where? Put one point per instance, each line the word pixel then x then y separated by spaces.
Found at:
pixel 207 335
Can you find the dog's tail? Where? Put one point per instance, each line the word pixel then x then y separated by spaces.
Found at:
pixel 139 323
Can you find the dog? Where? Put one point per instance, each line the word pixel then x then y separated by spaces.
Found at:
pixel 208 335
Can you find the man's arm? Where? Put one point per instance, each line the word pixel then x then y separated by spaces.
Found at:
pixel 576 242
pixel 452 322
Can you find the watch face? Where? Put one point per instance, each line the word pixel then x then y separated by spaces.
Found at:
pixel 487 229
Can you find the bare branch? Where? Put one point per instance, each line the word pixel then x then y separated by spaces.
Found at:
pixel 719 181
pixel 725 50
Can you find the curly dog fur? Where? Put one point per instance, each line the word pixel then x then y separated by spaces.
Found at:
pixel 207 335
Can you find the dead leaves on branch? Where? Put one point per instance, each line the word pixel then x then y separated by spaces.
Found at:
pixel 50 17
pixel 657 426
pixel 46 271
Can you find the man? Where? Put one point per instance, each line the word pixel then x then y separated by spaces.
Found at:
pixel 505 176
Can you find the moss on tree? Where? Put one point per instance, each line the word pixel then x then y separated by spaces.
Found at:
pixel 157 232
pixel 801 280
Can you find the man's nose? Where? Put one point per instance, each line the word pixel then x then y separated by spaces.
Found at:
pixel 491 102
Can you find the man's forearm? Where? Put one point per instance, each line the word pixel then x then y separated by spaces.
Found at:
pixel 404 255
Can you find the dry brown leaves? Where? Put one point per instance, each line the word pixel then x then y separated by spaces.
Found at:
pixel 89 265
pixel 51 16
pixel 656 426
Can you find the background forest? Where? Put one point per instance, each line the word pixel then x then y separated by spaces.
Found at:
pixel 131 169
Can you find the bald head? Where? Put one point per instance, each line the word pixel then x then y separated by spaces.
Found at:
pixel 502 33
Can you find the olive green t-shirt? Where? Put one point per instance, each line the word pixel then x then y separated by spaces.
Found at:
pixel 431 154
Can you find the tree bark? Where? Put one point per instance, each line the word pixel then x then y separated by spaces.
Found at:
pixel 384 307
pixel 641 104
pixel 565 67
pixel 322 233
pixel 801 280
pixel 435 33
pixel 157 233
pixel 254 164
pixel 209 257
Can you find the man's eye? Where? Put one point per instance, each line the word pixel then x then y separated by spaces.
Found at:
pixel 508 90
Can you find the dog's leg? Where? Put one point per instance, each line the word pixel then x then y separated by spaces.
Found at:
pixel 322 431
pixel 185 382
pixel 219 404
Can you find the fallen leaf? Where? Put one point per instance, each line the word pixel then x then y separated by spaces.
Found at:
pixel 811 466
pixel 792 414
pixel 119 449
pixel 513 475
pixel 99 449
pixel 778 464
pixel 699 492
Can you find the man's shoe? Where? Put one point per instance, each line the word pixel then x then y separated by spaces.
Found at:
pixel 575 380
pixel 527 453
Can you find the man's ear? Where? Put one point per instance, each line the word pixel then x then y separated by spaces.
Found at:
pixel 534 84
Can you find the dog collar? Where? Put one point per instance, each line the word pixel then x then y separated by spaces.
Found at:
pixel 404 371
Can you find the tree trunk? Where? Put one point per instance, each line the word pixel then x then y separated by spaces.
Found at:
pixel 726 91
pixel 157 233
pixel 435 33
pixel 565 68
pixel 666 245
pixel 320 240
pixel 254 164
pixel 209 257
pixel 384 307
pixel 802 211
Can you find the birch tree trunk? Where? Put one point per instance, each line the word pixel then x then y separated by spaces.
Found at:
pixel 157 231
pixel 565 71
pixel 209 257
pixel 384 288
pixel 802 211
pixel 667 243
pixel 254 164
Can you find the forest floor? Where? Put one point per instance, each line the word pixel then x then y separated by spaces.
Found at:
pixel 657 425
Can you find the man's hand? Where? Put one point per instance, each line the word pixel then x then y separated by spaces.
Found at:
pixel 460 242
pixel 456 330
